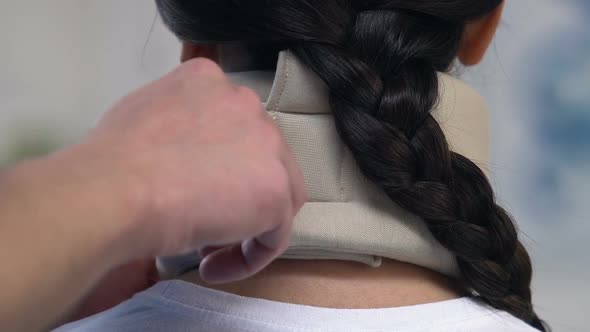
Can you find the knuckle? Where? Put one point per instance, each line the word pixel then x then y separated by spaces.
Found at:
pixel 162 110
pixel 284 246
pixel 282 179
pixel 301 198
pixel 248 95
pixel 276 187
pixel 271 134
pixel 201 66
pixel 241 101
pixel 281 183
pixel 248 100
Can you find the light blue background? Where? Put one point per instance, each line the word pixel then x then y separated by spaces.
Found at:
pixel 537 82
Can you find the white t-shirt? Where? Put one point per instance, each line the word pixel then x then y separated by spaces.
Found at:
pixel 179 306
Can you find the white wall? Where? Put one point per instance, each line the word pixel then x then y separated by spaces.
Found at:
pixel 63 62
pixel 41 64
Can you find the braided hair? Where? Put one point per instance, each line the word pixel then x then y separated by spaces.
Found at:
pixel 380 60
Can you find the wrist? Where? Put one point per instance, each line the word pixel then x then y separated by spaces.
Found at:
pixel 80 197
pixel 71 225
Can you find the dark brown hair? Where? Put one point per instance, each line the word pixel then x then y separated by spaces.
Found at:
pixel 380 60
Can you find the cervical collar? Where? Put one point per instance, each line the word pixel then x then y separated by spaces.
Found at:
pixel 347 217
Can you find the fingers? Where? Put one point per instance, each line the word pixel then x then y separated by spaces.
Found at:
pixel 237 262
pixel 199 68
pixel 201 81
pixel 208 250
pixel 242 261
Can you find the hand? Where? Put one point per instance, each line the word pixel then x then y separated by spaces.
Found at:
pixel 210 169
pixel 189 162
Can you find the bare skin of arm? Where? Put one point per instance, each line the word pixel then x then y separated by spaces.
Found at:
pixel 185 163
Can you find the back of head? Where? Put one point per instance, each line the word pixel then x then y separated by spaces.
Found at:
pixel 380 60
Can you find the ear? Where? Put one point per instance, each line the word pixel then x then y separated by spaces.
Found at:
pixel 478 37
pixel 192 50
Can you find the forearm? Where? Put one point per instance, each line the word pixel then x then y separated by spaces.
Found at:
pixel 58 236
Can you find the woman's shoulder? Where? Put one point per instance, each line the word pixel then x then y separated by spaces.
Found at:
pixel 474 316
pixel 180 306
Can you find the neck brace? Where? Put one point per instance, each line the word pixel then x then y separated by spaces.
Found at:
pixel 347 217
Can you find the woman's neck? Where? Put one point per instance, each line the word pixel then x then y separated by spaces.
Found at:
pixel 347 217
pixel 342 285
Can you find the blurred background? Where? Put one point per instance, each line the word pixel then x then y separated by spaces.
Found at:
pixel 64 62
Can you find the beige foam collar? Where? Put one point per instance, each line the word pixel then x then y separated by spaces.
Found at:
pixel 348 218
